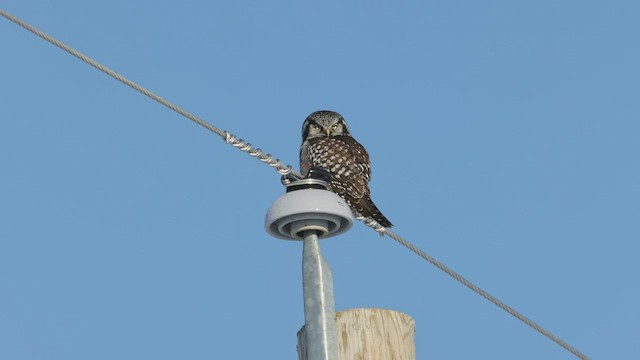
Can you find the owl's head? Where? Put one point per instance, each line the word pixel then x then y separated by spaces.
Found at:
pixel 324 123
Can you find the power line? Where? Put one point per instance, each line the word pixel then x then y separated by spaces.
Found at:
pixel 226 136
pixel 373 224
pixel 287 171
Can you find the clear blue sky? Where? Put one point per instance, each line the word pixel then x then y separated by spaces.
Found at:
pixel 503 135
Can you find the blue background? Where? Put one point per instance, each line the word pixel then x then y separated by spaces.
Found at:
pixel 503 136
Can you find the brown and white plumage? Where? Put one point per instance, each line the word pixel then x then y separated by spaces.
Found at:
pixel 327 144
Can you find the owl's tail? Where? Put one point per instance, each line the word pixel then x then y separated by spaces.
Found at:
pixel 371 210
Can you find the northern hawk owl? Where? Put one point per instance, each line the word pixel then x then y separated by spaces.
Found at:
pixel 327 144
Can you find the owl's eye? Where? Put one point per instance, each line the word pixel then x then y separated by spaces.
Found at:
pixel 335 127
pixel 317 127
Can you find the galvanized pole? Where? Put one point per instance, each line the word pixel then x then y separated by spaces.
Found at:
pixel 319 308
pixel 309 212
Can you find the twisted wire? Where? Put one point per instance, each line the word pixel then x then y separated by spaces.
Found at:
pixel 372 223
pixel 260 155
pixel 287 173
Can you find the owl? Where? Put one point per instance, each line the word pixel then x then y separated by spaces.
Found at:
pixel 327 144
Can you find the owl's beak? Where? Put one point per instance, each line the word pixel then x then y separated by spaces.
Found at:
pixel 328 132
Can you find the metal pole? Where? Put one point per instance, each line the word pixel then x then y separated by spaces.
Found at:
pixel 319 308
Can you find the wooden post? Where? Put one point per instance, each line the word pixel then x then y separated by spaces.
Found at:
pixel 371 334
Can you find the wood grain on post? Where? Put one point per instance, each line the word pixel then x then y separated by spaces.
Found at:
pixel 371 334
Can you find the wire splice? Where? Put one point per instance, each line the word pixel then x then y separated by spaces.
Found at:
pixel 372 223
pixel 259 154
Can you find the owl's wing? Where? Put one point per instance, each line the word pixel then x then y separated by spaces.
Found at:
pixel 352 176
pixel 359 155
